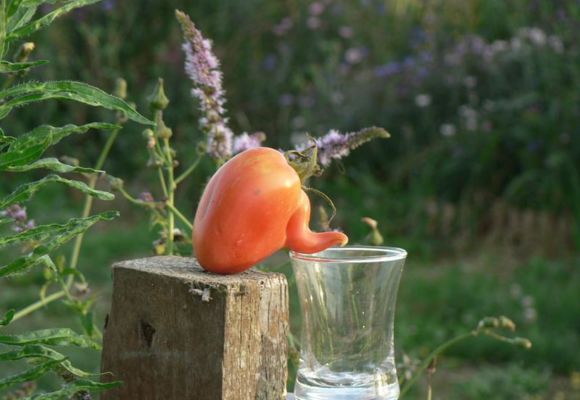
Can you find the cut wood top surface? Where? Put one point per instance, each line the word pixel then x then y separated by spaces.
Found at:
pixel 185 267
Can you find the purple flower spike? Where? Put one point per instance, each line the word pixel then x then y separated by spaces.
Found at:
pixel 202 67
pixel 335 145
pixel 245 141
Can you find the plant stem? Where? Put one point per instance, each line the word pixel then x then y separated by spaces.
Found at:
pixel 179 215
pixel 162 181
pixel 74 260
pixel 425 364
pixel 171 197
pixel 188 171
pixel 39 304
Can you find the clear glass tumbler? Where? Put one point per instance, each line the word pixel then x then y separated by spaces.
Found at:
pixel 347 299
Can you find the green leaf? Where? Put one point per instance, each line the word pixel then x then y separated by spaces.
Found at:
pixel 26 191
pixel 7 318
pixel 8 67
pixel 3 26
pixel 21 16
pixel 69 90
pixel 76 386
pixel 40 351
pixel 30 146
pixel 55 165
pixel 32 351
pixel 5 139
pixel 53 337
pixel 44 233
pixel 41 252
pixel 46 20
pixel 29 375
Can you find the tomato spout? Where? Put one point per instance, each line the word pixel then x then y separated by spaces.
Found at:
pixel 301 239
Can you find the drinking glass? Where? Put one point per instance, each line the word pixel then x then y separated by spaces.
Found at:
pixel 347 300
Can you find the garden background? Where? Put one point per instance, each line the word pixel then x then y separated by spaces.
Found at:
pixel 480 180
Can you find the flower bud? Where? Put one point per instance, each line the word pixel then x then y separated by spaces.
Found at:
pixel 488 322
pixel 162 130
pixel 24 51
pixel 505 322
pixel 116 183
pixel 148 133
pixel 121 88
pixel 370 222
pixel 523 342
pixel 158 100
pixel 165 133
pixel 374 238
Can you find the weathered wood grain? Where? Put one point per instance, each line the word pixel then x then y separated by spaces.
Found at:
pixel 177 332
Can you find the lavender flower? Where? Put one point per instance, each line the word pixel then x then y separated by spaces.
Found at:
pixel 244 141
pixel 346 32
pixel 19 217
pixel 146 197
pixel 335 145
pixel 283 27
pixel 202 67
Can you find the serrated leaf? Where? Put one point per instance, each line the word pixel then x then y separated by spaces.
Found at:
pixel 29 375
pixel 32 351
pixel 76 386
pixel 9 67
pixel 7 318
pixel 53 337
pixel 44 233
pixel 30 92
pixel 41 252
pixel 30 146
pixel 46 20
pixel 26 191
pixel 20 17
pixel 40 351
pixel 55 165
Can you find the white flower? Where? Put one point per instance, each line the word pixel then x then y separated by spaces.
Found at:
pixel 423 100
pixel 346 32
pixel 447 130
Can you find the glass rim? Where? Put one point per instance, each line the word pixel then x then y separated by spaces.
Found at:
pixel 388 254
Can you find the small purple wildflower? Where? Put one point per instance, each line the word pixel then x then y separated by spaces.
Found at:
pixel 386 70
pixel 313 23
pixel 20 221
pixel 286 100
pixel 269 62
pixel 335 145
pixel 147 197
pixel 316 8
pixel 202 67
pixel 244 141
pixel 355 55
pixel 283 26
pixel 346 32
pixel 108 5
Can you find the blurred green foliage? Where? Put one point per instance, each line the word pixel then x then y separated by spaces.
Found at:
pixel 480 96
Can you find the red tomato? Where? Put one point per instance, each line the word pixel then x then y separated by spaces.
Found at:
pixel 253 206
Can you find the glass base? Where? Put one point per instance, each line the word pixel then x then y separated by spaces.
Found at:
pixel 359 387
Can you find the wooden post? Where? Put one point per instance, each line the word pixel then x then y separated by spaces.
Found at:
pixel 178 332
